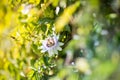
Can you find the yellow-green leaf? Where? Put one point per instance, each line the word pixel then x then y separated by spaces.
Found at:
pixel 66 16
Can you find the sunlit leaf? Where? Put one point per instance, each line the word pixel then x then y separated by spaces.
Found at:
pixel 66 16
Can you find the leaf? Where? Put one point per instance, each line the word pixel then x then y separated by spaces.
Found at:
pixel 67 28
pixel 103 71
pixel 55 2
pixel 66 16
pixel 45 20
pixel 30 74
pixel 46 59
pixel 43 28
pixel 35 1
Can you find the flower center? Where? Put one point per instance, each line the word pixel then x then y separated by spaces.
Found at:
pixel 50 42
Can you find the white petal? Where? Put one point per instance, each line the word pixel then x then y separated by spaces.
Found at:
pixel 44 42
pixel 55 51
pixel 42 51
pixel 59 48
pixel 55 39
pixel 41 41
pixel 50 52
pixel 44 45
pixel 57 36
pixel 41 47
pixel 60 43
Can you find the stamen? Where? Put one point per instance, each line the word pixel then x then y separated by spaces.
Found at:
pixel 50 42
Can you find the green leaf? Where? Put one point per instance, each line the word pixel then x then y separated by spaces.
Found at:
pixel 30 74
pixel 66 16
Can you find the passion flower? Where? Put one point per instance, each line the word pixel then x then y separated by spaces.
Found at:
pixel 51 45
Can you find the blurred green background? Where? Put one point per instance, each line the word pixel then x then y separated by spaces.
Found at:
pixel 89 29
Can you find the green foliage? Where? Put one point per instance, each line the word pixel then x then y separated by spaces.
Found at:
pixel 89 30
